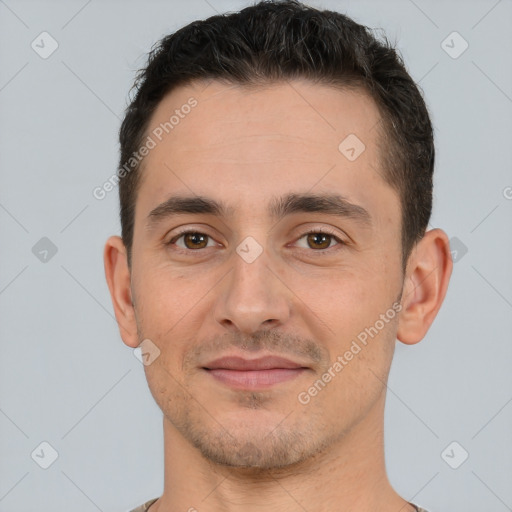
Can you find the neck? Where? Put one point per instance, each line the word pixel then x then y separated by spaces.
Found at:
pixel 348 475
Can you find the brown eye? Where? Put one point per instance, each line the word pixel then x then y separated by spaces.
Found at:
pixel 319 240
pixel 192 240
pixel 196 240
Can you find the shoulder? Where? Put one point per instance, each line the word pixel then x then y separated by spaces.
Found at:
pixel 145 506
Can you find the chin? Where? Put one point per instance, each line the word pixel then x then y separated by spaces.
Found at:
pixel 256 445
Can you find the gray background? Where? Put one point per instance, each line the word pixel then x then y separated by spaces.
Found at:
pixel 66 377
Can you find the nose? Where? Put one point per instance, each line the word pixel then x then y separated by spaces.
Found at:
pixel 252 298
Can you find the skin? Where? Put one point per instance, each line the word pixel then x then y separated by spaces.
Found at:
pixel 229 449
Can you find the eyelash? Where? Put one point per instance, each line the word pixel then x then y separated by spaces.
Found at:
pixel 310 232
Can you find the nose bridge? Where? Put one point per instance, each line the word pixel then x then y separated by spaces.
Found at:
pixel 252 298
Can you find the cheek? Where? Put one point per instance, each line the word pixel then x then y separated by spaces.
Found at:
pixel 345 300
pixel 164 292
pixel 347 307
pixel 163 302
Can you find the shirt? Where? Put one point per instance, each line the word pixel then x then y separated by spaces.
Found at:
pixel 144 507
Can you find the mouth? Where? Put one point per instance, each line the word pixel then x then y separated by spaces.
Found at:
pixel 265 372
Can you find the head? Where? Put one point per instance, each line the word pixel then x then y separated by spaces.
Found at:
pixel 298 153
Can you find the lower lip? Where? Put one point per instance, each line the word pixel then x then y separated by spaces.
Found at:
pixel 255 379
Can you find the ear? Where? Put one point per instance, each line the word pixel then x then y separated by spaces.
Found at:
pixel 118 278
pixel 427 276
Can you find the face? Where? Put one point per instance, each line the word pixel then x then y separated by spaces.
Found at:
pixel 311 280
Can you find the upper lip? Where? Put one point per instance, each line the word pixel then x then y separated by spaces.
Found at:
pixel 262 363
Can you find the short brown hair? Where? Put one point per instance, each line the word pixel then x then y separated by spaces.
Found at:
pixel 273 41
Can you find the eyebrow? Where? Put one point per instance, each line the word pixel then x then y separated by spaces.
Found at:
pixel 279 207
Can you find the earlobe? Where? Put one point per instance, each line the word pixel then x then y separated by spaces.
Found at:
pixel 118 279
pixel 428 274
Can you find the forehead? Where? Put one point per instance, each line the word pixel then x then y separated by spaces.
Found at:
pixel 245 144
pixel 226 113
